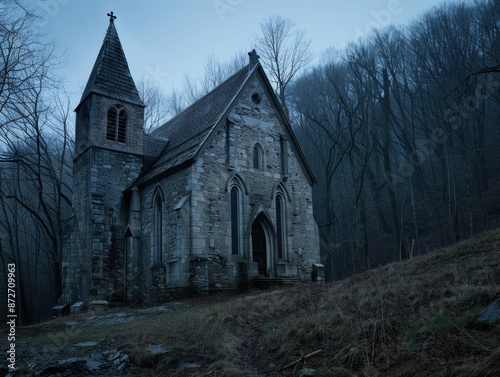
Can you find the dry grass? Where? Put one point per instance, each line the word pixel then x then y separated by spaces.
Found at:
pixel 413 318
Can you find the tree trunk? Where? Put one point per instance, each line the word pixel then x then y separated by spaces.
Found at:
pixel 388 170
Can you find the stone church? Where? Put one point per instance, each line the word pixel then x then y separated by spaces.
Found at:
pixel 218 196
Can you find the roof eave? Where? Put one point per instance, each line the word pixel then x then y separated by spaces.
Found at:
pixel 311 178
pixel 294 142
pixel 117 97
pixel 173 169
pixel 226 112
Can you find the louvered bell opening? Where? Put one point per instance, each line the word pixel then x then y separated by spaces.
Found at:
pixel 122 127
pixel 111 125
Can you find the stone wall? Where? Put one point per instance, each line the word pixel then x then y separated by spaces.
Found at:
pixel 98 262
pixel 229 156
pixel 94 133
pixel 100 179
pixel 77 254
pixel 111 173
pixel 132 245
pixel 176 239
pixel 196 250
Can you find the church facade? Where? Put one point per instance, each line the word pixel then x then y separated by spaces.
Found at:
pixel 216 197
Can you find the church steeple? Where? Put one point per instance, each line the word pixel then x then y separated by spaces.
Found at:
pixel 109 155
pixel 111 113
pixel 111 75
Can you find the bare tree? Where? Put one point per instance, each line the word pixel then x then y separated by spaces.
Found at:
pixel 175 102
pixel 319 128
pixel 414 115
pixel 284 51
pixel 36 186
pixel 161 105
pixel 157 109
pixel 23 54
pixel 34 152
pixel 214 73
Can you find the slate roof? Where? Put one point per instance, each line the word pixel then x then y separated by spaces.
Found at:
pixel 153 146
pixel 111 75
pixel 188 130
pixel 177 142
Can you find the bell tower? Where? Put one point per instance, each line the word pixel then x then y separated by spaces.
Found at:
pixel 108 158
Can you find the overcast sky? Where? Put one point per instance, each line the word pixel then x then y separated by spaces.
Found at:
pixel 164 39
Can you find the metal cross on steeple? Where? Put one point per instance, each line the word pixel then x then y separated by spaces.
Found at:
pixel 111 17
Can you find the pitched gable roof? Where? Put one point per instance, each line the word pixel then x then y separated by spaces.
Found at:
pixel 153 145
pixel 110 75
pixel 189 131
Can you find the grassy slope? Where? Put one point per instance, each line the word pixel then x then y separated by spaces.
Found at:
pixel 413 318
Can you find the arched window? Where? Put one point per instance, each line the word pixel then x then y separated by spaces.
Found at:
pixel 236 191
pixel 235 221
pixel 280 228
pixel 257 157
pixel 157 228
pixel 116 124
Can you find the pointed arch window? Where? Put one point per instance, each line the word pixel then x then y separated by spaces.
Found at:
pixel 157 228
pixel 279 225
pixel 258 157
pixel 236 190
pixel 116 129
pixel 235 221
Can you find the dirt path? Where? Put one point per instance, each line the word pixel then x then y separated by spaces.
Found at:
pixel 249 334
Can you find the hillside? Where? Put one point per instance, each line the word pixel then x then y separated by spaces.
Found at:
pixel 414 318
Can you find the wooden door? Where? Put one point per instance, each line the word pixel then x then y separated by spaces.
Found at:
pixel 259 253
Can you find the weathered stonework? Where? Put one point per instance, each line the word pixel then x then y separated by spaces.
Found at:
pixel 216 197
pixel 95 256
pixel 202 259
pixel 251 124
pixel 176 227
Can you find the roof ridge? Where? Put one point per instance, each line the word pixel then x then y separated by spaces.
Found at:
pixel 210 92
pixel 251 69
pixel 189 130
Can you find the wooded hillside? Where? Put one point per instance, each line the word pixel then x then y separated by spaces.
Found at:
pixel 402 128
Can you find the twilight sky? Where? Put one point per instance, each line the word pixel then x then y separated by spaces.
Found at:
pixel 164 39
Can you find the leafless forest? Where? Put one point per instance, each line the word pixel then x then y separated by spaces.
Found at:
pixel 403 131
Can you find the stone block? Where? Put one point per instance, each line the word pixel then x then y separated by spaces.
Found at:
pixel 285 269
pixel 253 270
pixel 318 273
pixel 61 310
pixel 98 305
pixel 77 307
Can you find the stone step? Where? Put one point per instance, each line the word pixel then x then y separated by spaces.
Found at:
pixel 267 281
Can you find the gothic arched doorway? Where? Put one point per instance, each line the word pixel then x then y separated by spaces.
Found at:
pixel 259 249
